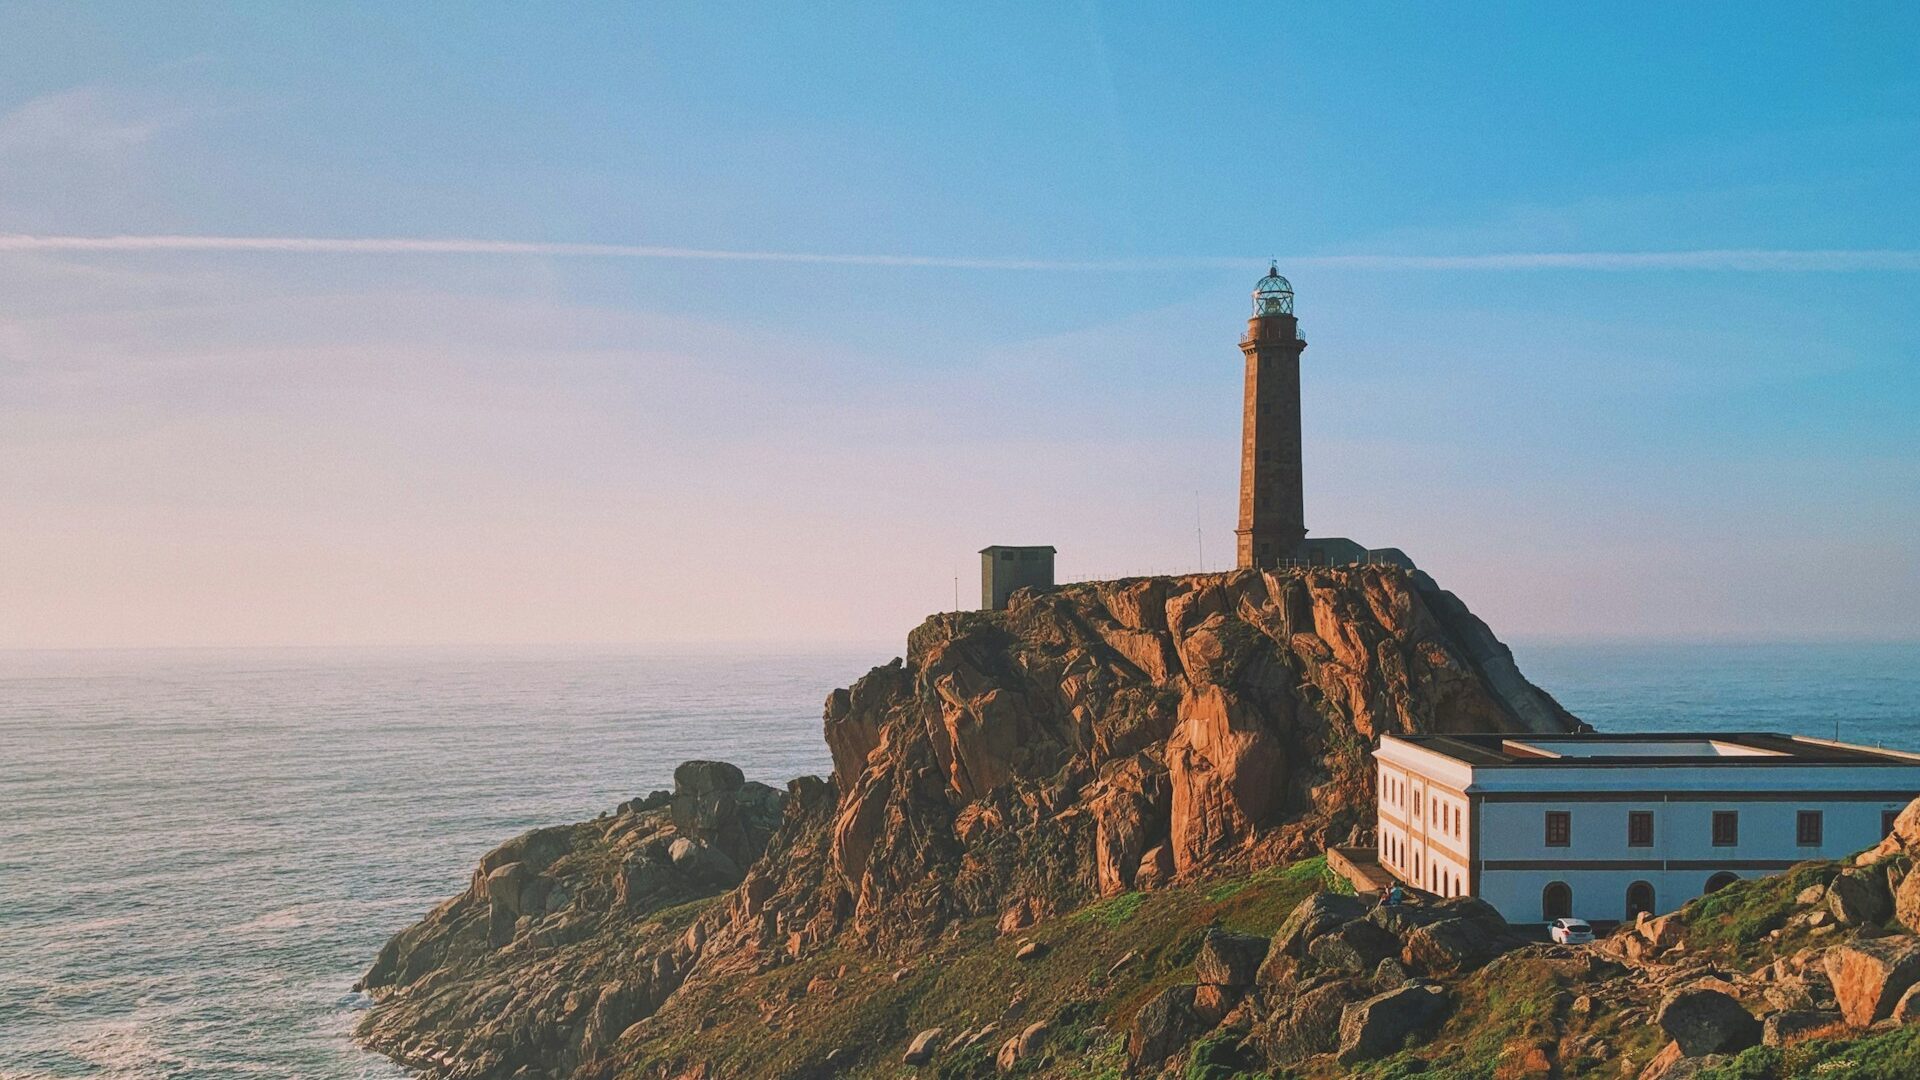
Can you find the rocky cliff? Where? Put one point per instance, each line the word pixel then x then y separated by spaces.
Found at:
pixel 1103 737
pixel 1117 740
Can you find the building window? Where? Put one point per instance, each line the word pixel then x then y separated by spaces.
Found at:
pixel 1639 828
pixel 1639 898
pixel 1556 901
pixel 1726 828
pixel 1807 828
pixel 1559 828
pixel 1721 880
pixel 1887 818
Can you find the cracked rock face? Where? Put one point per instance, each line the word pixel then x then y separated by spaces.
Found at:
pixel 1152 727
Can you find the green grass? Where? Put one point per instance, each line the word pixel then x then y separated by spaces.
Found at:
pixel 1112 911
pixel 1220 1056
pixel 1894 1055
pixel 1500 1013
pixel 771 1024
pixel 1739 917
pixel 1307 875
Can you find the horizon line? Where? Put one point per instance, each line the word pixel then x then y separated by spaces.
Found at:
pixel 793 646
pixel 1752 260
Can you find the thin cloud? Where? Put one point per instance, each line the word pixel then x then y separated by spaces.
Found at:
pixel 1735 259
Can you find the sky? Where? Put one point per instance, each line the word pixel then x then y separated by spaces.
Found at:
pixel 653 323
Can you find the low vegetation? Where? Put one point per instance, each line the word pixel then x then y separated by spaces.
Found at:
pixel 1098 966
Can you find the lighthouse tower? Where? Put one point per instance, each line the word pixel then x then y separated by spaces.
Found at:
pixel 1272 506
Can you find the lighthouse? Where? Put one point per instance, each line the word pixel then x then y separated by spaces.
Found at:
pixel 1273 523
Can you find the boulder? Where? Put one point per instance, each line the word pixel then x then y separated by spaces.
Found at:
pixel 1452 946
pixel 1673 1064
pixel 1859 896
pixel 1390 973
pixel 1905 838
pixel 920 1050
pixel 1791 994
pixel 1229 959
pixel 502 888
pixel 1798 1025
pixel 1311 1023
pixel 1868 977
pixel 1358 947
pixel 1312 917
pixel 1906 902
pixel 1381 1024
pixel 713 804
pixel 1156 867
pixel 1907 1009
pixel 504 885
pixel 1662 932
pixel 708 864
pixel 1163 1026
pixel 1021 1047
pixel 1019 916
pixel 707 778
pixel 1705 1021
pixel 1212 1002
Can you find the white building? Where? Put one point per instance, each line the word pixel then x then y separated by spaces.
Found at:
pixel 1601 827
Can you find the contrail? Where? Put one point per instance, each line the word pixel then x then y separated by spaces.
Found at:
pixel 1737 259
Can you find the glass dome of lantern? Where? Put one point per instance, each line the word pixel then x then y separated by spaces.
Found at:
pixel 1273 295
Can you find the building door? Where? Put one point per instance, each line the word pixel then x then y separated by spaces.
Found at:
pixel 1639 899
pixel 1721 880
pixel 1556 901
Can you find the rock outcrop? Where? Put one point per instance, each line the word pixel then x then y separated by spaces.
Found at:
pixel 552 951
pixel 1151 727
pixel 1088 741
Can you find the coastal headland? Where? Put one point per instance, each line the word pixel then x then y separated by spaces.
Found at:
pixel 1084 836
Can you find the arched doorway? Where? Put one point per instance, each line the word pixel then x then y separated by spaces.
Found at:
pixel 1556 901
pixel 1721 880
pixel 1639 899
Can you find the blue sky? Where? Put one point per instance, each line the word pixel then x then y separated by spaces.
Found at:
pixel 224 446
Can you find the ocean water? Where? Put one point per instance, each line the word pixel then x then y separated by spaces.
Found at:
pixel 200 851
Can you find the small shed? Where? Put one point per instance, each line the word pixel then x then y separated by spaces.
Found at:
pixel 1006 567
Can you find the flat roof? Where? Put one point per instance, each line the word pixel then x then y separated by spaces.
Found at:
pixel 1740 748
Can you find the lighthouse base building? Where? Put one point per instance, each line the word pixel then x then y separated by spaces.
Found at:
pixel 1603 827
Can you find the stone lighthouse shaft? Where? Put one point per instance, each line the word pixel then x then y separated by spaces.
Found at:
pixel 1272 504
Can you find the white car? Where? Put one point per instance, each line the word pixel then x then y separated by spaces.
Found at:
pixel 1570 931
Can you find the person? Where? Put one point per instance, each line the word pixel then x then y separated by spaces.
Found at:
pixel 1394 895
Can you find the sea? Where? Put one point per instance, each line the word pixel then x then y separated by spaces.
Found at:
pixel 200 850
